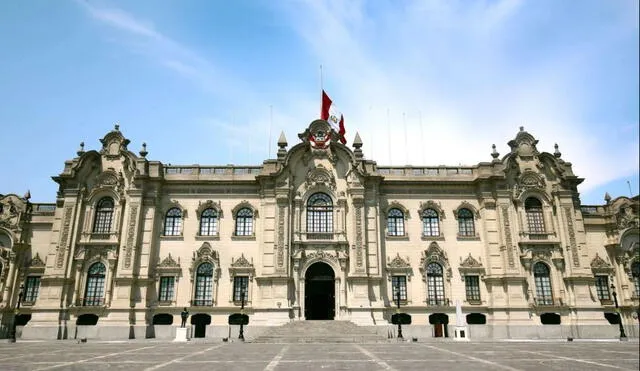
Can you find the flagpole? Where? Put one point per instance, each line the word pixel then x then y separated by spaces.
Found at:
pixel 321 90
pixel 406 148
pixel 389 134
pixel 421 136
pixel 270 127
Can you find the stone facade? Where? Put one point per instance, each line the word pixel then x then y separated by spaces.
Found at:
pixel 130 242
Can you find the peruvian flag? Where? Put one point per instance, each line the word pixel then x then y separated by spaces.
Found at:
pixel 333 116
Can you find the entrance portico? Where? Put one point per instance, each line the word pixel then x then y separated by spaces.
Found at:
pixel 319 291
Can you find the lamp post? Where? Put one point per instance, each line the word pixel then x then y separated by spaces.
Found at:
pixel 12 337
pixel 398 311
pixel 623 336
pixel 242 292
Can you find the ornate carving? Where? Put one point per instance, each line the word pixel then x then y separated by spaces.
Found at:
pixel 64 236
pixel 398 262
pixel 470 262
pixel 599 265
pixel 11 207
pixel 507 236
pixel 205 254
pixel 321 255
pixel 131 232
pixel 169 262
pixel 114 143
pixel 244 204
pixel 399 206
pixel 320 177
pixel 432 205
pixel 36 262
pixel 572 237
pixel 359 254
pixel 208 204
pixel 626 218
pixel 468 206
pixel 241 262
pixel 280 243
pixel 434 254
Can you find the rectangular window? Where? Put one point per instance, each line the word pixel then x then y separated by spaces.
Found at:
pixel 32 286
pixel 399 283
pixel 240 285
pixel 602 287
pixel 472 286
pixel 166 288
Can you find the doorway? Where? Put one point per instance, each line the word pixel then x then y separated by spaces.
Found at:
pixel 439 322
pixel 319 292
pixel 200 322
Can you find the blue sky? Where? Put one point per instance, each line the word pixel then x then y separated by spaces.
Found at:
pixel 424 82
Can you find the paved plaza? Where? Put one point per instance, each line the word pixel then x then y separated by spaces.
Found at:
pixel 476 356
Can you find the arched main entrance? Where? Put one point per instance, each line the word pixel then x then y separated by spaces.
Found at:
pixel 319 292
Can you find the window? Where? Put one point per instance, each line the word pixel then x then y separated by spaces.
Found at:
pixel 173 222
pixel 240 286
pixel 465 223
pixel 472 287
pixel 166 288
pixel 399 283
pixel 535 219
pixel 602 288
pixel 104 214
pixel 430 223
pixel 395 222
pixel 204 285
pixel 32 286
pixel 94 291
pixel 543 284
pixel 435 284
pixel 320 213
pixel 209 222
pixel 244 222
pixel 635 274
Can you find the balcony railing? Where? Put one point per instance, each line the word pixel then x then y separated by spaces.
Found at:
pixel 202 302
pixel 320 236
pixel 93 302
pixel 547 301
pixel 438 302
pixel 109 238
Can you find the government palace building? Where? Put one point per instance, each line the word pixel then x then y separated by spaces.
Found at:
pixel 503 248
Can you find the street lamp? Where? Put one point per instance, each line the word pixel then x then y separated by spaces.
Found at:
pixel 623 336
pixel 12 337
pixel 398 311
pixel 242 292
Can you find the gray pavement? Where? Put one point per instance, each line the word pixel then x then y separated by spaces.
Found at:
pixel 447 355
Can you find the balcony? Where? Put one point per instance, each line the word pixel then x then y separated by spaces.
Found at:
pixel 93 302
pixel 202 302
pixel 438 302
pixel 320 237
pixel 91 238
pixel 538 238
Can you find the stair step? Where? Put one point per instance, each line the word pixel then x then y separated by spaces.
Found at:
pixel 320 332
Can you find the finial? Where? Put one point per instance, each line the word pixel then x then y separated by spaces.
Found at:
pixel 357 141
pixel 282 140
pixel 494 153
pixel 81 149
pixel 607 197
pixel 116 127
pixel 556 152
pixel 143 152
pixel 27 195
pixel 521 128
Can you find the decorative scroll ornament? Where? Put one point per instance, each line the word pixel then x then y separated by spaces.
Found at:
pixel 36 262
pixel 471 266
pixel 320 176
pixel 434 254
pixel 398 262
pixel 11 207
pixel 169 262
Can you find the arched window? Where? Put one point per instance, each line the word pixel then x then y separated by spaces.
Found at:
pixel 209 222
pixel 465 223
pixel 543 284
pixel 94 290
pixel 395 222
pixel 430 223
pixel 204 285
pixel 435 285
pixel 173 222
pixel 635 274
pixel 104 215
pixel 244 222
pixel 319 213
pixel 535 219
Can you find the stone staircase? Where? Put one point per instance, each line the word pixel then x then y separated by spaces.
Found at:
pixel 320 332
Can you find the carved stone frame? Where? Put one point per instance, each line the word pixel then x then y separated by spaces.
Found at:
pixel 241 267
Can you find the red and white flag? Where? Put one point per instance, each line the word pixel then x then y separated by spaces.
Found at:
pixel 333 116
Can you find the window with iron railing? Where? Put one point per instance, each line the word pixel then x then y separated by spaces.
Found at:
pixel 240 286
pixel 399 283
pixel 435 284
pixel 209 222
pixel 535 217
pixel 430 223
pixel 104 215
pixel 544 295
pixel 204 285
pixel 602 288
pixel 31 289
pixel 166 288
pixel 472 288
pixel 94 290
pixel 319 213
pixel 395 222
